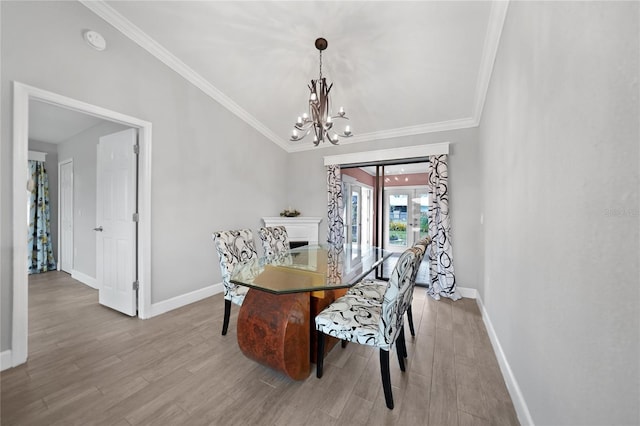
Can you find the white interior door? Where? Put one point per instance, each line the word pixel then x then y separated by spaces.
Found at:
pixel 65 251
pixel 116 267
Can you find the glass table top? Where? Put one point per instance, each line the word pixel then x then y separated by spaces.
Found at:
pixel 310 268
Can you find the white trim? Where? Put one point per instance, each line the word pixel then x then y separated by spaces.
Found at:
pixel 520 405
pixel 489 52
pixel 143 40
pixel 420 129
pixel 6 360
pixel 184 299
pixel 37 156
pixel 60 164
pixel 84 279
pixel 19 324
pixel 22 94
pixel 417 151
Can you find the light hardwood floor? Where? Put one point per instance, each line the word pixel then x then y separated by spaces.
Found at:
pixel 90 365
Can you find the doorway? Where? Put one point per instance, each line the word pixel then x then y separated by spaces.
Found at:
pixel 395 215
pixel 23 94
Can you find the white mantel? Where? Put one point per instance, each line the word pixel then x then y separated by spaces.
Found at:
pixel 300 228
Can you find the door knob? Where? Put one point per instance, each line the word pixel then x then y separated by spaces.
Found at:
pixel 99 229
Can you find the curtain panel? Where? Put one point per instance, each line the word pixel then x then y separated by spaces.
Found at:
pixel 335 207
pixel 39 246
pixel 441 272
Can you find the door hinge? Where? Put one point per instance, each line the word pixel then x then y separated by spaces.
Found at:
pixel 136 149
pixel 136 285
pixel 136 217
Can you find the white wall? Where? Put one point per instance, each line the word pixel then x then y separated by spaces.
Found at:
pixel 559 152
pixel 307 190
pixel 82 149
pixel 199 149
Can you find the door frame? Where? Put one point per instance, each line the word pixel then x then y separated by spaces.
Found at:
pixel 22 94
pixel 60 164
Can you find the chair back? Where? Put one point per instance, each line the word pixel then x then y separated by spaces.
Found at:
pixel 422 249
pixel 397 297
pixel 275 240
pixel 233 247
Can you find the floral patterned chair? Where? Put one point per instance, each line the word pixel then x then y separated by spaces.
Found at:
pixel 275 240
pixel 358 320
pixel 375 289
pixel 233 247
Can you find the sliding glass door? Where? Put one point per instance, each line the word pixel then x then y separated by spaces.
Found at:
pixel 386 205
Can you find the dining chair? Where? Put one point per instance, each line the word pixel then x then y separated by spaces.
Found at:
pixel 366 322
pixel 375 289
pixel 275 240
pixel 233 247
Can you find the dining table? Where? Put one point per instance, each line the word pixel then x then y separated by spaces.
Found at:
pixel 276 325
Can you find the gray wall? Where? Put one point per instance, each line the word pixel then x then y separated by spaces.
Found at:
pixel 51 166
pixel 559 154
pixel 82 149
pixel 308 190
pixel 203 177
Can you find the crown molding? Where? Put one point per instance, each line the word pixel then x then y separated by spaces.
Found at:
pixel 128 29
pixel 489 52
pixel 490 48
pixel 463 123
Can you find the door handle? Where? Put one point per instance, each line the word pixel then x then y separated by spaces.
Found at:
pixel 98 229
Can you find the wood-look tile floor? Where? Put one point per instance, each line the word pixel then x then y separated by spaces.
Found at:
pixel 90 365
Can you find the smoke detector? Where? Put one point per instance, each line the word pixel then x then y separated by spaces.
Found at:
pixel 94 39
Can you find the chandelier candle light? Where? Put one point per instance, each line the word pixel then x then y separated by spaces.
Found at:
pixel 319 118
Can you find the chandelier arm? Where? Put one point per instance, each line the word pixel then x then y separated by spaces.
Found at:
pixel 299 138
pixel 334 139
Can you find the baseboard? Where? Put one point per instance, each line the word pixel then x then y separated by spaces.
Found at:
pixel 6 360
pixel 183 300
pixel 469 293
pixel 84 279
pixel 520 405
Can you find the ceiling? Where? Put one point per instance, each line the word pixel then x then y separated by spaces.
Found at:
pixel 398 68
pixel 54 124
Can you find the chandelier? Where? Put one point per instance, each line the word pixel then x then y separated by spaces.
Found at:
pixel 319 118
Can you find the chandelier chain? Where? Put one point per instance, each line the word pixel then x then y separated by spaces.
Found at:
pixel 321 65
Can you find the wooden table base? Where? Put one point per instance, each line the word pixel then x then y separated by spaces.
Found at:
pixel 273 329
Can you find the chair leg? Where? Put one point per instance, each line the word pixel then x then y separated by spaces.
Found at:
pixel 227 314
pixel 320 354
pixel 403 341
pixel 410 318
pixel 400 353
pixel 386 378
pixel 344 343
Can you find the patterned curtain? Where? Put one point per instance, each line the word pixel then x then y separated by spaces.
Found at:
pixel 39 247
pixel 443 279
pixel 335 233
